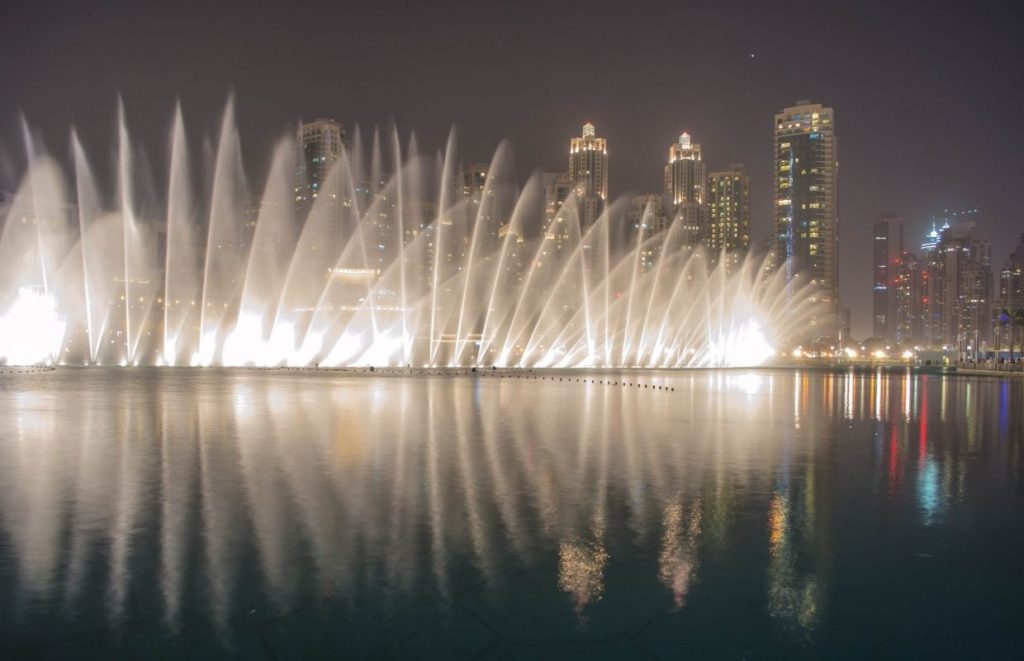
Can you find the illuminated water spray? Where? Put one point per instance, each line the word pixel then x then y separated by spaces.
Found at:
pixel 395 262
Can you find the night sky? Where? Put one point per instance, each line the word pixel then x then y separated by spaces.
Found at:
pixel 929 102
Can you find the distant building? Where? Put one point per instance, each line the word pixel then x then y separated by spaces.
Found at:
pixel 588 172
pixel 685 179
pixel 931 240
pixel 898 287
pixel 557 189
pixel 958 291
pixel 473 181
pixel 806 212
pixel 647 214
pixel 887 252
pixel 909 293
pixel 1011 291
pixel 728 203
pixel 646 218
pixel 686 189
pixel 320 144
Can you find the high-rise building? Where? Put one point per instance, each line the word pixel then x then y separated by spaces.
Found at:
pixel 588 172
pixel 320 144
pixel 806 212
pixel 686 189
pixel 909 293
pixel 1011 291
pixel 958 291
pixel 728 202
pixel 646 217
pixel 557 189
pixel 931 240
pixel 685 179
pixel 888 251
pixel 473 181
pixel 472 185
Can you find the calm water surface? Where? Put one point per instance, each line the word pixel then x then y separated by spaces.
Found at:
pixel 276 514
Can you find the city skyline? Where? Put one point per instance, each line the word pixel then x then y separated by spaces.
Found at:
pixel 688 182
pixel 898 102
pixel 487 330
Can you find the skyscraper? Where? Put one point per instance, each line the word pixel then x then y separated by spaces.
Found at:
pixel 686 189
pixel 888 251
pixel 806 213
pixel 320 144
pixel 588 172
pixel 685 179
pixel 728 202
pixel 958 294
pixel 909 292
pixel 1011 290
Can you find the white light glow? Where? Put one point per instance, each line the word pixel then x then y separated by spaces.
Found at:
pixel 31 332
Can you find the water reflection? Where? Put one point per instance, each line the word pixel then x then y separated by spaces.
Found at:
pixel 677 562
pixel 203 495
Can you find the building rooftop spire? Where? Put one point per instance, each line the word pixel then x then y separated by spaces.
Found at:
pixel 684 140
pixel 588 130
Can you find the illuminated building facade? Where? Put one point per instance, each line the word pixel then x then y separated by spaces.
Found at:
pixel 686 189
pixel 909 293
pixel 806 212
pixel 588 172
pixel 728 203
pixel 685 179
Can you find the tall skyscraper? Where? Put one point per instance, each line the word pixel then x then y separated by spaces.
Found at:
pixel 909 291
pixel 932 239
pixel 320 144
pixel 888 251
pixel 686 189
pixel 1011 290
pixel 806 213
pixel 728 202
pixel 958 291
pixel 588 172
pixel 685 179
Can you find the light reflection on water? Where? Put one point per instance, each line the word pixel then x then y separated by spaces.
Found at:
pixel 199 498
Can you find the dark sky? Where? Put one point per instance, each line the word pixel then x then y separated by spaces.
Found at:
pixel 929 101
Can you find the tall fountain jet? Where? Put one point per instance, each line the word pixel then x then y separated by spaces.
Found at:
pixel 393 263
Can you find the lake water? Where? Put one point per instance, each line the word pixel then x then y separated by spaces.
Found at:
pixel 276 514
